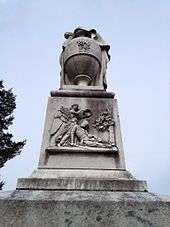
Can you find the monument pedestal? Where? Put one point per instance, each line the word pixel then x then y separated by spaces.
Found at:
pixel 95 165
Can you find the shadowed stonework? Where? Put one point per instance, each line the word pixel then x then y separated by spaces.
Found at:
pixel 83 209
pixel 81 179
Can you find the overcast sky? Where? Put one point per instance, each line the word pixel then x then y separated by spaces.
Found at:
pixel 31 35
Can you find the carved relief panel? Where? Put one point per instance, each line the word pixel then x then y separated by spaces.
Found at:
pixel 71 127
pixel 81 123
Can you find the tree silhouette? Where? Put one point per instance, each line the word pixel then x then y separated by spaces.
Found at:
pixel 8 148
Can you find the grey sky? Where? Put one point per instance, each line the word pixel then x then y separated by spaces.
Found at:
pixel 31 34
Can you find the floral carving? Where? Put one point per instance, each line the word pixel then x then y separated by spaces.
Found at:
pixel 104 121
pixel 83 45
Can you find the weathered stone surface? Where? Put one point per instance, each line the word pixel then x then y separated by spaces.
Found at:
pixel 82 173
pixel 82 93
pixel 81 179
pixel 81 184
pixel 83 209
pixel 77 159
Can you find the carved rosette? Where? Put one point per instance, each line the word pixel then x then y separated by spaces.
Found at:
pixel 83 46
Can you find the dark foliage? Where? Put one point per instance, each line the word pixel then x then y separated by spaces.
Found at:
pixel 8 148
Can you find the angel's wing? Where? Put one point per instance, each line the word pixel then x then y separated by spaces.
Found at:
pixel 61 118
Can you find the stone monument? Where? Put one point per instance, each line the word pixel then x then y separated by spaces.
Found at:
pixel 81 179
pixel 82 147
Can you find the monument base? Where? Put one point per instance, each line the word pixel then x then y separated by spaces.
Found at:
pixel 81 179
pixel 46 208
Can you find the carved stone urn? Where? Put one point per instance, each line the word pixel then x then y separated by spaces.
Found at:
pixel 82 61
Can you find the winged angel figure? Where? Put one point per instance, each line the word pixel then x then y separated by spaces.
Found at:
pixel 64 120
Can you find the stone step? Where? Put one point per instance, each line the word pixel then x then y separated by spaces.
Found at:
pixel 87 184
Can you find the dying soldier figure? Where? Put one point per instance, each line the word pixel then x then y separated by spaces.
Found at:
pixel 80 133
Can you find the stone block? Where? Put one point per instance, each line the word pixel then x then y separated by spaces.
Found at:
pixel 23 208
pixel 82 156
